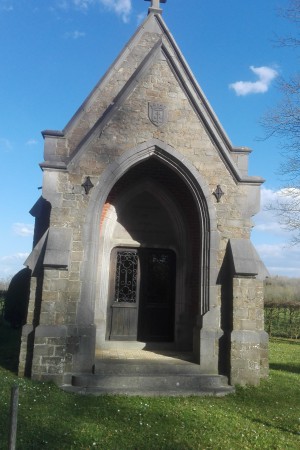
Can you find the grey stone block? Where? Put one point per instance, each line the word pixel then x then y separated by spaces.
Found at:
pixel 52 331
pixel 243 257
pixel 58 248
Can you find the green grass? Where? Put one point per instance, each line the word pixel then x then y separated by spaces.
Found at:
pixel 266 417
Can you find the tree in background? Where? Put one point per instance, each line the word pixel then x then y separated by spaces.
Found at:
pixel 17 297
pixel 284 122
pixel 282 291
pixel 4 283
pixel 282 306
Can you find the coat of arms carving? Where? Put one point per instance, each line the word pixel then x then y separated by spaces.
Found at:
pixel 157 113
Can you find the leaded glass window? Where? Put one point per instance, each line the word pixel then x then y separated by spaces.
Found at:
pixel 126 276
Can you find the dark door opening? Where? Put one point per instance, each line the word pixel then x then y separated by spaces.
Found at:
pixel 143 295
pixel 157 295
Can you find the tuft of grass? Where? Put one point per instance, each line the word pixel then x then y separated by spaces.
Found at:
pixel 264 417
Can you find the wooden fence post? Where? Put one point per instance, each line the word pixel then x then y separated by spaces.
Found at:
pixel 14 399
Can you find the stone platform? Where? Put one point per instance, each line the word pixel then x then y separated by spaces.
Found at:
pixel 148 373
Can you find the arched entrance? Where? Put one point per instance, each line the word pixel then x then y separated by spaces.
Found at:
pixel 187 198
pixel 151 237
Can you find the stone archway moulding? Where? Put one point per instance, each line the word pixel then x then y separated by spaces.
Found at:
pixel 91 236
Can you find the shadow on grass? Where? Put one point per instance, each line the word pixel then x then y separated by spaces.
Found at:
pixel 293 368
pixel 10 340
pixel 271 425
pixel 56 420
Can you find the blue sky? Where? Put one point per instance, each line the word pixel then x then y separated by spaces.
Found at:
pixel 53 52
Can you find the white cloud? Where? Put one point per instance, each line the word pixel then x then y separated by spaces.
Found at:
pixel 32 142
pixel 272 226
pixel 5 145
pixel 74 34
pixel 270 196
pixel 280 259
pixel 268 219
pixel 16 257
pixel 288 193
pixel 265 77
pixel 120 7
pixel 83 4
pixel 271 240
pixel 11 264
pixel 23 229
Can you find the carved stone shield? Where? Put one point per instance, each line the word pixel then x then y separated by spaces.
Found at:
pixel 157 113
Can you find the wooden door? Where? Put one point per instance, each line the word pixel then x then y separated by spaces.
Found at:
pixel 142 295
pixel 124 291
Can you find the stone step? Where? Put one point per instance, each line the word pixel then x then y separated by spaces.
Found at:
pixel 132 368
pixel 153 375
pixel 151 392
pixel 167 384
pixel 148 381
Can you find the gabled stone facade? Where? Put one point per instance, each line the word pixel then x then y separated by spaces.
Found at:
pixel 144 167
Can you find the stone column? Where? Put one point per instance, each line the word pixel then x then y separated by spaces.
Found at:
pixel 249 341
pixel 207 335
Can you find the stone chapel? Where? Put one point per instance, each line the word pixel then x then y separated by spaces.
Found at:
pixel 142 232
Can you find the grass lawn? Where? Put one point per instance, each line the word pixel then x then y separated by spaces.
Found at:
pixel 267 417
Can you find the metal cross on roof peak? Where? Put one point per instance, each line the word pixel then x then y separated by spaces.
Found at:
pixel 155 6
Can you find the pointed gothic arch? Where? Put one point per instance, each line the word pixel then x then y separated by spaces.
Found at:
pixel 97 246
